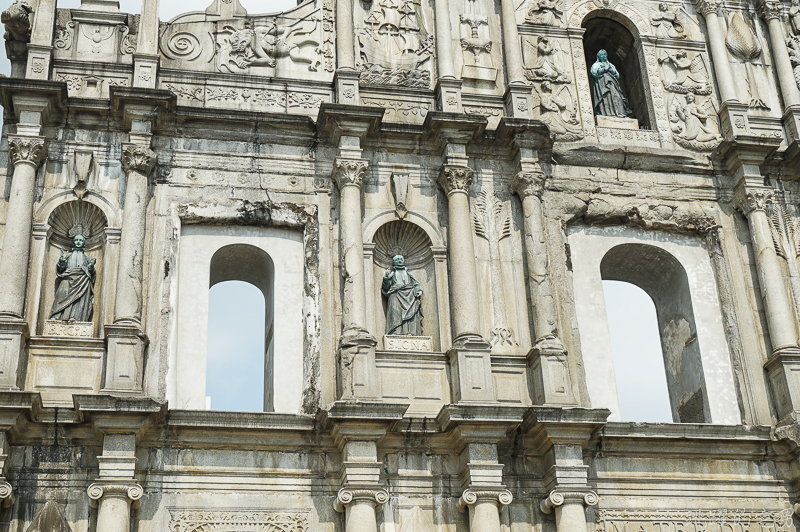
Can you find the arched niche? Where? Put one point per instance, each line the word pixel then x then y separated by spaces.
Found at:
pixel 412 241
pixel 608 30
pixel 66 220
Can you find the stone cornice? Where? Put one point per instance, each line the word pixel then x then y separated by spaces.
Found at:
pixel 750 199
pixel 349 172
pixel 472 496
pixel 560 496
pixel 453 178
pixel 137 158
pixel 27 149
pixel 530 183
pixel 349 495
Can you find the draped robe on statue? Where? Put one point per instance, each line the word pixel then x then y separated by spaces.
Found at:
pixel 608 97
pixel 403 307
pixel 75 293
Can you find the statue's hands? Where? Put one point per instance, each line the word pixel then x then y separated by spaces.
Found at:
pixel 92 262
pixel 418 293
pixel 64 254
pixel 389 274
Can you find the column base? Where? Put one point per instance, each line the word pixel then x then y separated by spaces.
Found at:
pixel 518 100
pixel 124 364
pixel 357 372
pixel 347 86
pixel 791 121
pixel 448 95
pixel 471 370
pixel 551 382
pixel 783 372
pixel 733 120
pixel 14 336
pixel 39 59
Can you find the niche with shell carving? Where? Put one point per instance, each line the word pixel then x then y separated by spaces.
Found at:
pixel 400 237
pixel 67 221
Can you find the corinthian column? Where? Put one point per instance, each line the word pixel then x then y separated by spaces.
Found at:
pixel 359 507
pixel 719 54
pixel 770 10
pixel 27 153
pixel 570 508
pixel 448 86
pixel 114 500
pixel 484 507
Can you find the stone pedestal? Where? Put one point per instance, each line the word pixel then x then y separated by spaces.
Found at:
pixel 124 364
pixel 471 371
pixel 617 123
pixel 347 86
pixel 448 95
pixel 69 329
pixel 393 342
pixel 550 375
pixel 13 362
pixel 519 102
pixel 357 371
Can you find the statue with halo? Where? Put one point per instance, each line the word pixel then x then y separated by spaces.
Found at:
pixel 74 301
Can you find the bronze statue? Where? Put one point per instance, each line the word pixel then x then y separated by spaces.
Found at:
pixel 74 299
pixel 608 97
pixel 403 305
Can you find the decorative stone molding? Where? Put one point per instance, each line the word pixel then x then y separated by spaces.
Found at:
pixel 747 201
pixel 131 490
pixel 707 7
pixel 769 9
pixel 454 178
pixel 470 497
pixel 27 149
pixel 559 497
pixel 347 172
pixel 347 496
pixel 528 183
pixel 138 158
pixel 251 520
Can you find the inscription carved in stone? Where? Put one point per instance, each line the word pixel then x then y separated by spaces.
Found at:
pixel 252 521
pixel 695 521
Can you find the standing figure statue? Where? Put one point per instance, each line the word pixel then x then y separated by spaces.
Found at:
pixel 403 305
pixel 794 16
pixel 608 97
pixel 74 299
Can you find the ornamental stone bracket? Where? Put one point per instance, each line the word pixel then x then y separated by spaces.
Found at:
pixel 560 496
pixel 473 496
pixel 117 489
pixel 349 495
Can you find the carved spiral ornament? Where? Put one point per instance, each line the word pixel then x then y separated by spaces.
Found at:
pixel 402 238
pixel 382 496
pixel 95 492
pixel 135 492
pixel 591 498
pixel 556 499
pixel 184 46
pixel 5 490
pixel 345 497
pixel 469 498
pixel 505 498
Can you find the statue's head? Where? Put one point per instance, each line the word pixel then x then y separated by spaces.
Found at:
pixel 690 98
pixel 546 86
pixel 681 54
pixel 602 56
pixel 398 260
pixel 78 241
pixel 662 6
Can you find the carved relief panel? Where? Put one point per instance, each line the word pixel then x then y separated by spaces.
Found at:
pixel 477 33
pixel 395 42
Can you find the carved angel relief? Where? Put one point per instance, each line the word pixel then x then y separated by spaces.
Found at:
pixel 544 60
pixel 683 73
pixel 793 44
pixel 666 23
pixel 558 108
pixel 694 126
pixel 546 13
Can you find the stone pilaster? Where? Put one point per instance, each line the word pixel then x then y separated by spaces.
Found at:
pixel 770 11
pixel 519 103
pixel 359 506
pixel 448 86
pixel 146 59
pixel 719 54
pixel 40 49
pixel 570 508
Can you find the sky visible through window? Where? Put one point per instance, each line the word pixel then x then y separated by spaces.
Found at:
pixel 236 331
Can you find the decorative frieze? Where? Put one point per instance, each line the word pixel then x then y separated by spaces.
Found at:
pixel 136 158
pixel 723 520
pixel 27 149
pixel 190 520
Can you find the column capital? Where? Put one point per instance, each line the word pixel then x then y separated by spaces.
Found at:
pixel 6 493
pixel 752 199
pixel 349 495
pixel 769 9
pixel 455 178
pixel 707 7
pixel 27 149
pixel 349 172
pixel 115 488
pixel 138 158
pixel 530 183
pixel 560 496
pixel 473 496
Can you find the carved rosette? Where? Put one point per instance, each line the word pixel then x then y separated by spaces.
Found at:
pixel 30 150
pixel 471 497
pixel 129 490
pixel 529 183
pixel 347 496
pixel 560 497
pixel 707 7
pixel 454 178
pixel 750 200
pixel 137 158
pixel 349 172
pixel 769 9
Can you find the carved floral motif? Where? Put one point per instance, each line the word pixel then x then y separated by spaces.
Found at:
pixel 529 183
pixel 27 149
pixel 397 110
pixel 349 171
pixel 751 200
pixel 137 158
pixel 454 178
pixel 250 520
pixel 708 520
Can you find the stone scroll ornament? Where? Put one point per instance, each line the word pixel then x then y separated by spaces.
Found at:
pixel 608 96
pixel 403 296
pixel 74 299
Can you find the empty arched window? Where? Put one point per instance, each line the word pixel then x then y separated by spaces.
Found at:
pixel 604 33
pixel 676 273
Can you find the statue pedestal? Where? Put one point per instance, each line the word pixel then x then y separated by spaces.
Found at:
pixel 392 342
pixel 70 329
pixel 617 123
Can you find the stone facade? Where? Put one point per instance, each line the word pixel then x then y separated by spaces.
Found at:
pixel 301 152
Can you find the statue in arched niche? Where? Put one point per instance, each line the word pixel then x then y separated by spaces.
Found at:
pixel 403 303
pixel 609 99
pixel 74 300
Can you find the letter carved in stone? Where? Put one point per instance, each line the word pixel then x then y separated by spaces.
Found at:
pixel 348 172
pixel 27 149
pixel 454 178
pixel 136 158
pixel 721 519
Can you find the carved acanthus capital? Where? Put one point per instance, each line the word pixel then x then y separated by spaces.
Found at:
pixel 349 172
pixel 455 178
pixel 138 158
pixel 347 496
pixel 529 183
pixel 561 496
pixel 27 149
pixel 768 9
pixel 119 489
pixel 471 497
pixel 753 199
pixel 707 7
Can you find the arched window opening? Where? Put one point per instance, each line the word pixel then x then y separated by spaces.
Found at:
pixel 603 33
pixel 233 361
pixel 636 348
pixel 664 279
pixel 236 348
